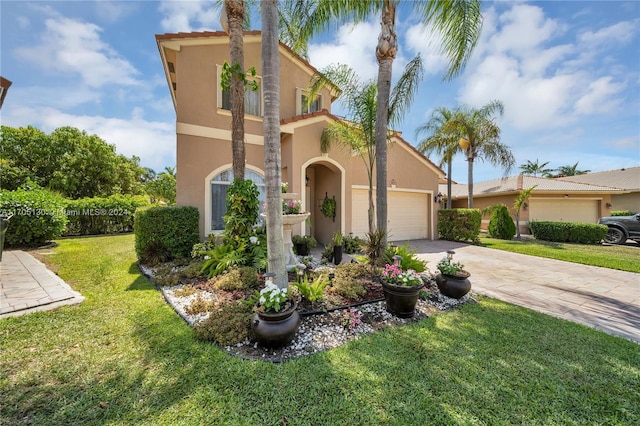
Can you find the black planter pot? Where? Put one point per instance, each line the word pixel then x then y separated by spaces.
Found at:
pixel 337 255
pixel 454 286
pixel 276 329
pixel 401 300
pixel 302 249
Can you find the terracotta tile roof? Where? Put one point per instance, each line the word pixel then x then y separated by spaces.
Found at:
pixel 514 184
pixel 307 116
pixel 628 178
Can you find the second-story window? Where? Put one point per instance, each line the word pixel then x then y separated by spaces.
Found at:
pixel 252 99
pixel 302 98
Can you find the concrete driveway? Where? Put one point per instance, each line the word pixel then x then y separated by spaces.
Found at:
pixel 602 298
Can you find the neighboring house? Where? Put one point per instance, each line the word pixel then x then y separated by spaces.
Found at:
pixel 192 64
pixel 627 179
pixel 552 200
pixel 4 87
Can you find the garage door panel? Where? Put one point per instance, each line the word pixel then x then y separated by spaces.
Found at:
pixel 563 210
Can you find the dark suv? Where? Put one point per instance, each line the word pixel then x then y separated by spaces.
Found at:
pixel 621 228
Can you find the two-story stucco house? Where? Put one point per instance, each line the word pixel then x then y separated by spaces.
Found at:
pixel 192 63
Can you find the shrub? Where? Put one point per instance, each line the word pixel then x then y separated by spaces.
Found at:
pixel 229 325
pixel 345 282
pixel 168 232
pixel 312 290
pixel 571 232
pixel 409 259
pixel 352 244
pixel 621 213
pixel 38 215
pixel 459 224
pixel 243 278
pixel 93 216
pixel 501 225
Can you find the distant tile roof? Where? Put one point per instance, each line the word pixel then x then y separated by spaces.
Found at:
pixel 514 184
pixel 628 178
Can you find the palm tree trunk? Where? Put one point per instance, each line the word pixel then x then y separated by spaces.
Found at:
pixel 385 53
pixel 470 181
pixel 449 171
pixel 235 19
pixel 271 128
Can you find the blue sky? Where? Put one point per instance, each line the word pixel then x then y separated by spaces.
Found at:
pixel 568 73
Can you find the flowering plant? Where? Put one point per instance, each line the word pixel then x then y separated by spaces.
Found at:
pixel 449 267
pixel 284 187
pixel 271 297
pixel 351 319
pixel 291 206
pixel 393 274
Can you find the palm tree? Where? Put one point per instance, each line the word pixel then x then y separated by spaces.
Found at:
pixel 517 205
pixel 570 171
pixel 481 138
pixel 271 129
pixel 459 23
pixel 535 168
pixel 170 171
pixel 443 143
pixel 360 99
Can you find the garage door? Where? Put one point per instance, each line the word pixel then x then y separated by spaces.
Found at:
pixel 407 214
pixel 563 210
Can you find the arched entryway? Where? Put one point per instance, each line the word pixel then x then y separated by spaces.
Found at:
pixel 323 177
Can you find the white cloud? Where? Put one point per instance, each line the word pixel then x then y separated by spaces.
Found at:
pixel 353 45
pixel 113 11
pixel 427 42
pixel 153 141
pixel 622 32
pixel 73 47
pixel 187 16
pixel 600 98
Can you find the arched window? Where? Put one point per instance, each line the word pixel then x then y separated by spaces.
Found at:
pixel 219 185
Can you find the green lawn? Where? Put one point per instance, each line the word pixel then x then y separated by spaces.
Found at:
pixel 624 258
pixel 124 357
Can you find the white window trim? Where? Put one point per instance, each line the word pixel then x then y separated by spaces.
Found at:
pixel 299 106
pixel 219 94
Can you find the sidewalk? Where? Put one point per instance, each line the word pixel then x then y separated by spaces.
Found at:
pixel 26 285
pixel 602 298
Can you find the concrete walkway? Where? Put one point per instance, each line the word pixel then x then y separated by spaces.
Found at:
pixel 26 285
pixel 602 298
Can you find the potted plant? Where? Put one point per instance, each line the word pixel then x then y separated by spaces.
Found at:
pixel 291 207
pixel 328 207
pixel 338 241
pixel 303 244
pixel 401 290
pixel 453 280
pixel 276 320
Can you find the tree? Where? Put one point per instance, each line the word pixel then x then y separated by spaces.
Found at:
pixel 162 189
pixel 459 24
pixel 518 203
pixel 535 168
pixel 360 99
pixel 445 144
pixel 481 138
pixel 271 130
pixel 570 171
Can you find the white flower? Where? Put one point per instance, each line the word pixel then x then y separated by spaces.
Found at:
pixel 254 240
pixel 207 257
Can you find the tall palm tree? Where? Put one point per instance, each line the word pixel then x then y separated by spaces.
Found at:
pixel 445 144
pixel 534 168
pixel 570 170
pixel 517 205
pixel 481 138
pixel 271 129
pixel 458 22
pixel 360 99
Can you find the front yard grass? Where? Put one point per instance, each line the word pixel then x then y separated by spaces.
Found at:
pixel 624 258
pixel 125 357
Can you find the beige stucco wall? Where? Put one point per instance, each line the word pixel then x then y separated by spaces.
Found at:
pixel 629 201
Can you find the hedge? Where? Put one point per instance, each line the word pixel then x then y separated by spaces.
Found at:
pixel 459 224
pixel 165 233
pixel 569 232
pixel 111 215
pixel 501 225
pixel 38 216
pixel 621 213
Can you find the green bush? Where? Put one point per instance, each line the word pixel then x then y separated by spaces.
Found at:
pixel 352 244
pixel 243 278
pixel 111 215
pixel 38 215
pixel 621 213
pixel 501 225
pixel 229 325
pixel 344 282
pixel 165 232
pixel 459 224
pixel 409 259
pixel 570 232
